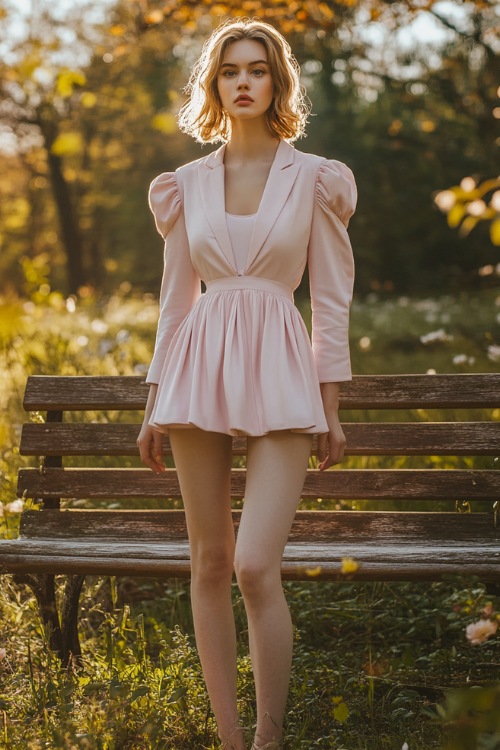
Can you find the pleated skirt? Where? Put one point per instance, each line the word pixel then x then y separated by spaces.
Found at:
pixel 241 363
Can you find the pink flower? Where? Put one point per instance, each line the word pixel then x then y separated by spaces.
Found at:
pixel 479 632
pixel 488 610
pixel 3 653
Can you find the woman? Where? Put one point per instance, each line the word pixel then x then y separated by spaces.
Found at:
pixel 237 360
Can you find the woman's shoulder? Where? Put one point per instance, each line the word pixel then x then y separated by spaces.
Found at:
pixel 335 184
pixel 322 163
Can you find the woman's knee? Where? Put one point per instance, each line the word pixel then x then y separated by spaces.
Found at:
pixel 256 577
pixel 211 565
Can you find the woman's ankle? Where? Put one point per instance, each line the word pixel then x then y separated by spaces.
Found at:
pixel 233 740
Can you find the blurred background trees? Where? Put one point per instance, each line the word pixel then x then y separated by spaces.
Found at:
pixel 88 97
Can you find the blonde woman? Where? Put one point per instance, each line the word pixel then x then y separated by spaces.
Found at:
pixel 237 359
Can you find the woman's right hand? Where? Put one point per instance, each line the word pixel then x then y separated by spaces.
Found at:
pixel 150 441
pixel 150 444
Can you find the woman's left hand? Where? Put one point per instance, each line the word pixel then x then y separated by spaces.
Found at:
pixel 331 444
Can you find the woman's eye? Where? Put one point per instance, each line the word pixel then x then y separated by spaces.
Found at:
pixel 258 71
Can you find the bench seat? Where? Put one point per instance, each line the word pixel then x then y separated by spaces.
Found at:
pixel 386 545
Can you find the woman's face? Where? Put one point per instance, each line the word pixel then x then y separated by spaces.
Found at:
pixel 244 80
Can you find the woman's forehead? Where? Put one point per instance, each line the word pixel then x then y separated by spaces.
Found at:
pixel 245 51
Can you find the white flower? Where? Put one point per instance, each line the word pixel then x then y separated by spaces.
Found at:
pixel 494 353
pixel 459 359
pixel 439 335
pixel 479 632
pixel 16 506
pixel 405 746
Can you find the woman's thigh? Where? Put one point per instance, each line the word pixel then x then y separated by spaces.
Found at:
pixel 203 461
pixel 276 470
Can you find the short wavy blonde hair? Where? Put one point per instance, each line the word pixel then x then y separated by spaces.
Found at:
pixel 203 116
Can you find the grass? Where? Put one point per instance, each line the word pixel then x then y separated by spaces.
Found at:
pixel 376 665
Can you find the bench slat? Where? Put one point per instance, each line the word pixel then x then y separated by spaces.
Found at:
pixel 460 390
pixel 309 525
pixel 369 439
pixel 347 484
pixel 301 561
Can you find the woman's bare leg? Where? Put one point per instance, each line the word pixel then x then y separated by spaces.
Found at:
pixel 203 462
pixel 276 469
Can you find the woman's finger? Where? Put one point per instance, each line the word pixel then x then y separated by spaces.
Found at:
pixel 322 446
pixel 158 449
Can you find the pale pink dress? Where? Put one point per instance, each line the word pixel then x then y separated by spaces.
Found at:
pixel 238 359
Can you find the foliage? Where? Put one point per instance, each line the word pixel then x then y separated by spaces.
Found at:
pixel 376 665
pixel 465 206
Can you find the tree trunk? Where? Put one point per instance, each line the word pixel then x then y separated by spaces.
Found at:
pixel 70 231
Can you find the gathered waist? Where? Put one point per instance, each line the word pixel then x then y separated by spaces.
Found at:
pixel 249 282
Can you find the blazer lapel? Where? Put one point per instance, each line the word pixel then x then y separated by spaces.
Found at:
pixel 211 178
pixel 279 183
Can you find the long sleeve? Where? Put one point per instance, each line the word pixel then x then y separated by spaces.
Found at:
pixel 331 270
pixel 180 287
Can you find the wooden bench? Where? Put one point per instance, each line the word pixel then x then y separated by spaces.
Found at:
pixel 409 543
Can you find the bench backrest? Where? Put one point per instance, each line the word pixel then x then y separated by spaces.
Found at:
pixel 361 399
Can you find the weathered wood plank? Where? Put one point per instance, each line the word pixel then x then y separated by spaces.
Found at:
pixel 301 561
pixel 347 484
pixel 460 390
pixel 363 439
pixel 375 527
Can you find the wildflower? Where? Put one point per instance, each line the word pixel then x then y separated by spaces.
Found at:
pixel 348 565
pixel 459 359
pixel 3 653
pixel 405 746
pixel 365 342
pixel 313 572
pixel 16 506
pixel 494 353
pixel 479 632
pixel 439 335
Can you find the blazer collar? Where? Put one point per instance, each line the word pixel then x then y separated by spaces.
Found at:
pixel 282 175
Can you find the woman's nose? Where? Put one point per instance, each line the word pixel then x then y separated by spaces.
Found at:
pixel 242 80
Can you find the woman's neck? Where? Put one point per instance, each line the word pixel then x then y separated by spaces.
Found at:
pixel 250 142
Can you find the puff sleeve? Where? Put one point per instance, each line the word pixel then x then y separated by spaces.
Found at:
pixel 331 270
pixel 180 286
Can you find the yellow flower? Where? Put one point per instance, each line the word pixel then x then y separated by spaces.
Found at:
pixel 348 565
pixel 313 572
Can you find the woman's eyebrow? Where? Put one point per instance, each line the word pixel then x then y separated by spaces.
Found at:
pixel 255 62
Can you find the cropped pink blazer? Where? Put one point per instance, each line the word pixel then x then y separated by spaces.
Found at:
pixel 302 219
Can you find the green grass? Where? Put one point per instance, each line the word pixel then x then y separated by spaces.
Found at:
pixel 376 665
